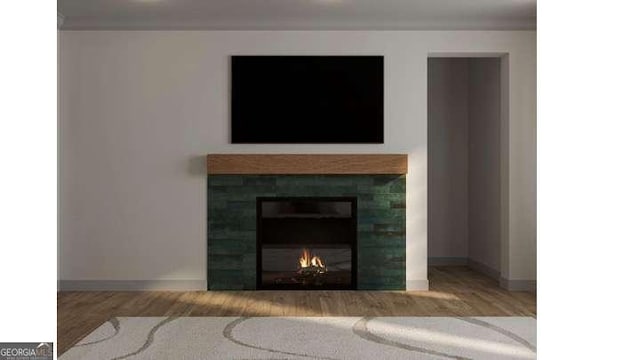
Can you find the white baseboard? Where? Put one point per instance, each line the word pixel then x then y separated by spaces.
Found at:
pixel 417 285
pixel 131 285
pixel 518 285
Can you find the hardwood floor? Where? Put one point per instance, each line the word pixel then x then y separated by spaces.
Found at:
pixel 455 291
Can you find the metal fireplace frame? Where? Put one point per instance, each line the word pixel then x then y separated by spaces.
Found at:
pixel 354 246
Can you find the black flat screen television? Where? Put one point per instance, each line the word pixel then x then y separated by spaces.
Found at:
pixel 307 99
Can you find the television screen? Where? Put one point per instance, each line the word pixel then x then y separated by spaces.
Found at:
pixel 307 99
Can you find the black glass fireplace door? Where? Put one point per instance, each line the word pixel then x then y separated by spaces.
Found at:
pixel 307 243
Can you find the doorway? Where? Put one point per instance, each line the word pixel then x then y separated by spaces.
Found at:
pixel 465 163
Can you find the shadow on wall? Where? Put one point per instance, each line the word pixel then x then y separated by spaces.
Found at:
pixel 197 165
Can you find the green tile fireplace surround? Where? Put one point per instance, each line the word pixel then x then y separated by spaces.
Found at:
pixel 231 224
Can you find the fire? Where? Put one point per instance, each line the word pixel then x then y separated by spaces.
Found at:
pixel 310 261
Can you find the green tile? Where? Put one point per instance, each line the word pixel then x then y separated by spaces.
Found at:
pixel 392 284
pixel 363 180
pixel 374 204
pixel 245 189
pixel 227 247
pixel 249 261
pixel 398 188
pixel 225 262
pixel 260 180
pixel 282 181
pixel 389 197
pixel 364 197
pixel 247 235
pixel 390 242
pixel 231 224
pixel 241 205
pixel 224 180
pixel 231 285
pixel 389 228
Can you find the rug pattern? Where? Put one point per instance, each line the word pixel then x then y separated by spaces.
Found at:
pixel 297 338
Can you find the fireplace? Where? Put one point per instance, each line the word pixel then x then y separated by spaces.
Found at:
pixel 306 243
pixel 347 210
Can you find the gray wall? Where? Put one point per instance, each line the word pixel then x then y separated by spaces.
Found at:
pixel 484 162
pixel 448 157
pixel 464 162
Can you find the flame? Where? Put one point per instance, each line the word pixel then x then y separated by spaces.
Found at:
pixel 315 261
pixel 307 260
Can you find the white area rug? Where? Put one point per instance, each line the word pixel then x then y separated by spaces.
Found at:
pixel 327 338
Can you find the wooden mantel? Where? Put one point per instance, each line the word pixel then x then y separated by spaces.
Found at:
pixel 292 164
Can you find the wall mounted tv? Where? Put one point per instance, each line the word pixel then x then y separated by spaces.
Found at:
pixel 307 99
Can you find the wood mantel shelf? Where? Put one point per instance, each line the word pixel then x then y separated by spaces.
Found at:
pixel 296 164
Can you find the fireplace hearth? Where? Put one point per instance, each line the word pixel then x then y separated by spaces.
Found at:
pixel 306 243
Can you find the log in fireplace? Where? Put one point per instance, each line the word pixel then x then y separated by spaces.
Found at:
pixel 306 243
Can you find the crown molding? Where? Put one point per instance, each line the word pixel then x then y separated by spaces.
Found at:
pixel 97 23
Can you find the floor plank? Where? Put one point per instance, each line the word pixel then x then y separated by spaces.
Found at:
pixel 454 291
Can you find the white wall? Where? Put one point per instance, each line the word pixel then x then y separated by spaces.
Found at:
pixel 448 152
pixel 140 109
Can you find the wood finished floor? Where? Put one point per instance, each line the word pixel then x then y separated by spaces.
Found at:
pixel 455 291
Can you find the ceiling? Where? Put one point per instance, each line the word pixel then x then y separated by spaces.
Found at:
pixel 298 14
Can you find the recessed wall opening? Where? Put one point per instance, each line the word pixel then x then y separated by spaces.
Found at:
pixel 465 111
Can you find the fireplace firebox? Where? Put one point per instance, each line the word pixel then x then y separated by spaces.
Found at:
pixel 306 243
